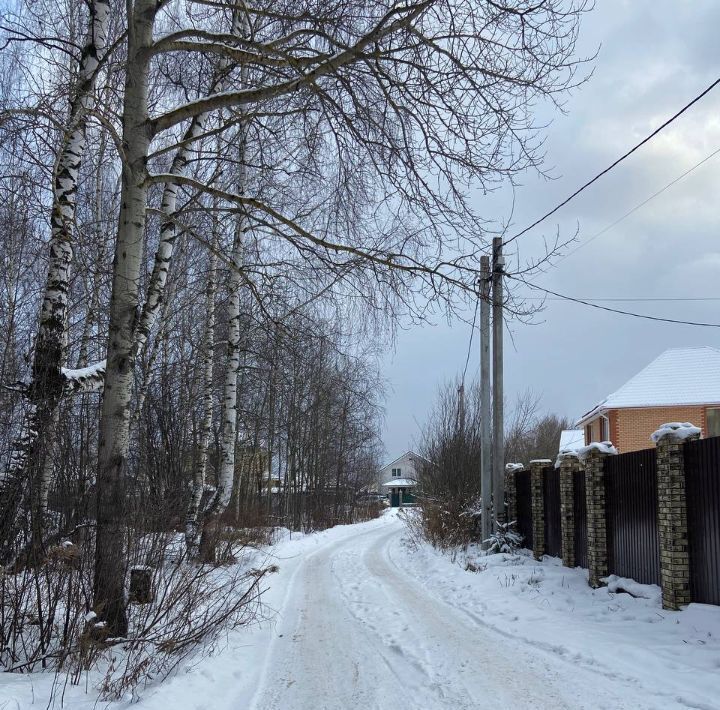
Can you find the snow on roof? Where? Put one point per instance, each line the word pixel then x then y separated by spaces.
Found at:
pixel 679 376
pixel 571 439
pixel 399 482
pixel 410 454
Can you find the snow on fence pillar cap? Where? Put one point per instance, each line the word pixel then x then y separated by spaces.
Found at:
pixel 679 431
pixel 602 447
pixel 540 462
pixel 565 455
pixel 514 467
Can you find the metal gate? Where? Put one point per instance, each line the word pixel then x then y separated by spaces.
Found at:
pixel 524 507
pixel 551 497
pixel 631 507
pixel 580 514
pixel 702 488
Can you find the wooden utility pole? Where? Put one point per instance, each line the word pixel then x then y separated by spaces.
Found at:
pixel 486 476
pixel 498 444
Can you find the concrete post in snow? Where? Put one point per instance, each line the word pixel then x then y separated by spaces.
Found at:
pixel 593 456
pixel 538 505
pixel 672 512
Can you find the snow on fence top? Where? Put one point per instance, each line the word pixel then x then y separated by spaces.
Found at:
pixel 570 453
pixel 604 447
pixel 514 466
pixel 675 430
pixel 544 461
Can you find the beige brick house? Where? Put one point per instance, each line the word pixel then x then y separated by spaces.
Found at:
pixel 681 385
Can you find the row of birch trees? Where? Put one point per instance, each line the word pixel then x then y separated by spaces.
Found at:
pixel 213 214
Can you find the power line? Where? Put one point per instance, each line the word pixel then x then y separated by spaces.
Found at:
pixel 627 300
pixel 617 162
pixel 637 207
pixel 613 310
pixel 472 332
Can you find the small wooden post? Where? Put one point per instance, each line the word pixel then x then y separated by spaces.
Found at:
pixel 141 591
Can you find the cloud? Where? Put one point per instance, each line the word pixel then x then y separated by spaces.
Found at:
pixel 655 56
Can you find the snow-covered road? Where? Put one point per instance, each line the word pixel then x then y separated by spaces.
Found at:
pixel 356 631
pixel 356 618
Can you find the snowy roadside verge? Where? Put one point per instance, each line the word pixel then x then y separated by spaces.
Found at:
pixel 222 678
pixel 673 656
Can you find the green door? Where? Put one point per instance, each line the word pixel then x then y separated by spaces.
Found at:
pixel 395 498
pixel 408 497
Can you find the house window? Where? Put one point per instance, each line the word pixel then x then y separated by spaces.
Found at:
pixel 588 434
pixel 604 429
pixel 712 419
pixel 396 473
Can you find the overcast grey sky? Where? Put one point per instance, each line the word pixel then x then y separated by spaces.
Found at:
pixel 655 55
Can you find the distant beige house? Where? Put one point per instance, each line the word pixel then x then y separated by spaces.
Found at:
pixel 680 385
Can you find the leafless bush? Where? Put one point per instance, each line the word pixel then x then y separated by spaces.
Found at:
pixel 450 480
pixel 195 606
pixel 47 622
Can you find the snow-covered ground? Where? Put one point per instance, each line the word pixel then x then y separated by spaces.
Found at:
pixel 363 619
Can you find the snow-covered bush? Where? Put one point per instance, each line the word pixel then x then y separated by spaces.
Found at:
pixel 505 539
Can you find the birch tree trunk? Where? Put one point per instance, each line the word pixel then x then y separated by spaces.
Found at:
pixel 191 528
pixel 111 553
pixel 228 416
pixel 46 387
pixel 226 472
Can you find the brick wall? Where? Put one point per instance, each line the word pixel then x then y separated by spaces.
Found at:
pixel 630 429
pixel 634 426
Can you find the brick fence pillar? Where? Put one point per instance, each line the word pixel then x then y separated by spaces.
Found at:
pixel 538 506
pixel 593 456
pixel 672 513
pixel 511 470
pixel 569 463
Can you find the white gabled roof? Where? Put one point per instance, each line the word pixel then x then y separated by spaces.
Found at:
pixel 571 439
pixel 680 376
pixel 410 454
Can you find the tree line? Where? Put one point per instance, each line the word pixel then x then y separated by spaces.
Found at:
pixel 213 214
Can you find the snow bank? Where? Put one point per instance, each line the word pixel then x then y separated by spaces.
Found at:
pixel 664 659
pixel 675 430
pixel 604 447
pixel 633 588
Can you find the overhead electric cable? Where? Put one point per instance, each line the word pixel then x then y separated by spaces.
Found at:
pixel 640 299
pixel 617 162
pixel 614 310
pixel 637 207
pixel 472 332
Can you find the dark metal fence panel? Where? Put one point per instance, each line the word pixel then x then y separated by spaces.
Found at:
pixel 524 507
pixel 580 510
pixel 551 496
pixel 631 504
pixel 702 487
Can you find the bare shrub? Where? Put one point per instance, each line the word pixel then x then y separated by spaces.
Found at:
pixel 450 477
pixel 47 622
